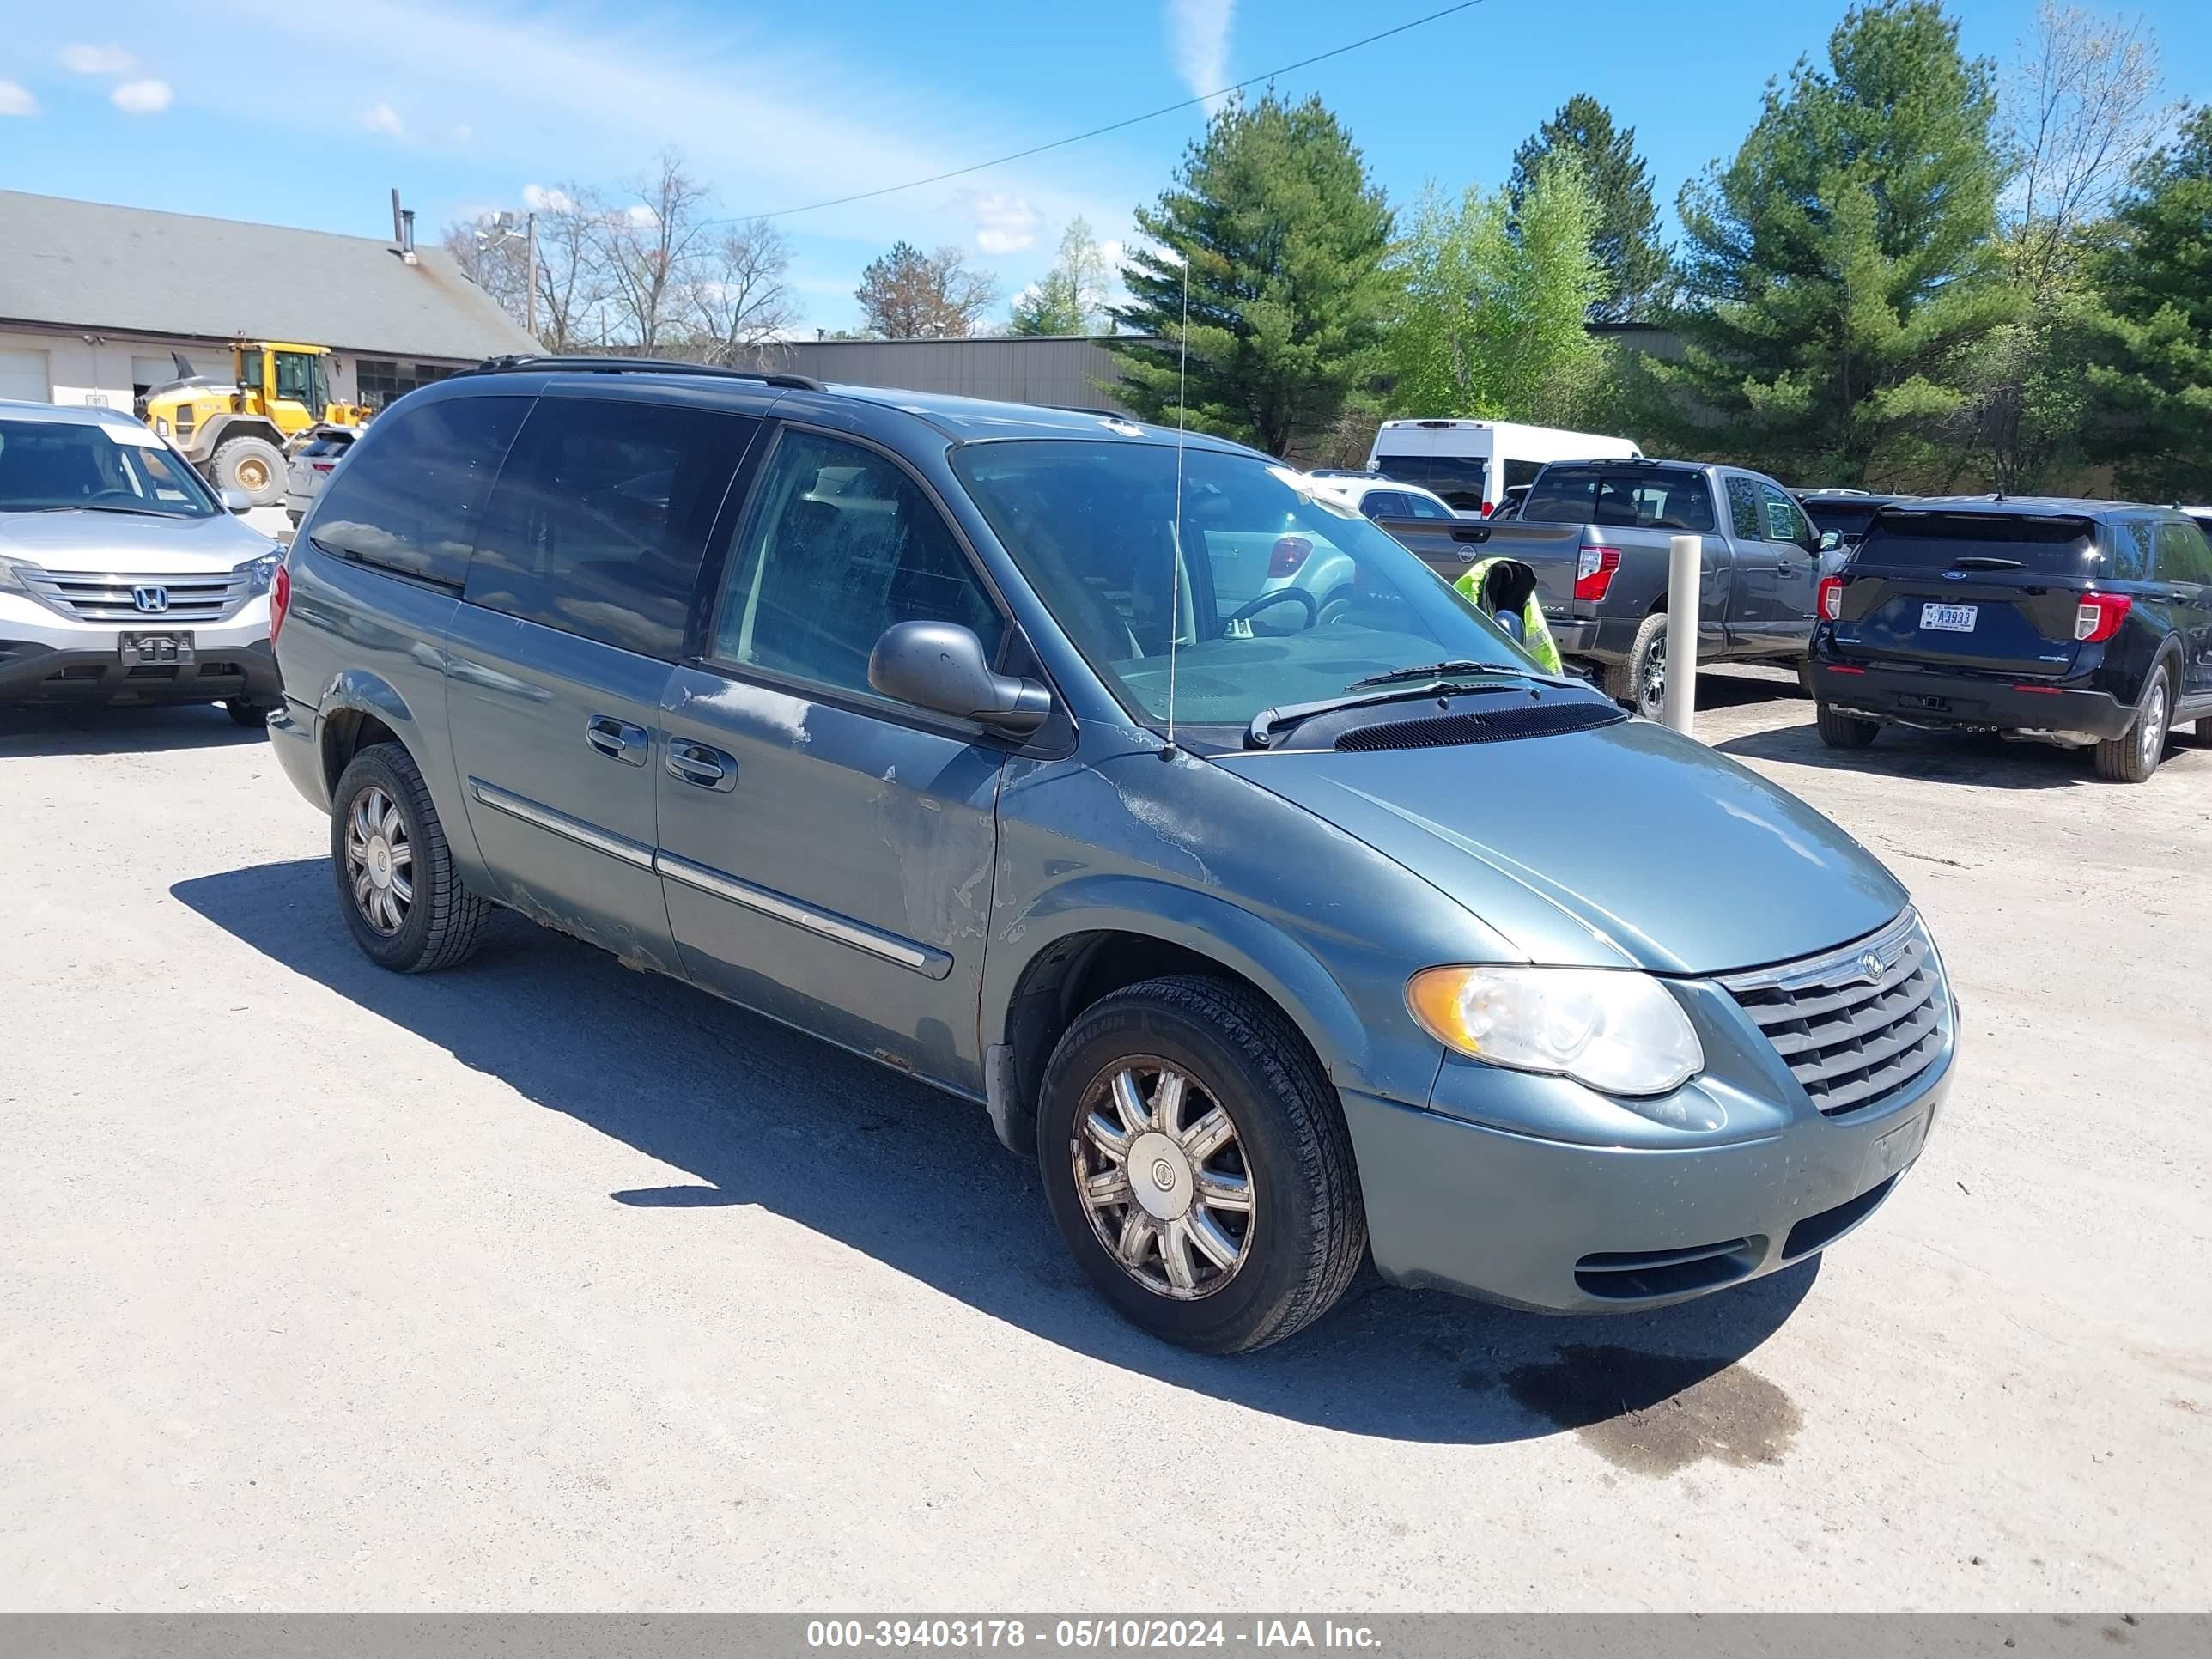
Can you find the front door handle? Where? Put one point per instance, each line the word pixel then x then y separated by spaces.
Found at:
pixel 695 763
pixel 619 738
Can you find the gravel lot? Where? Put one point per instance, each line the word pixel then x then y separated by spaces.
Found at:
pixel 545 1285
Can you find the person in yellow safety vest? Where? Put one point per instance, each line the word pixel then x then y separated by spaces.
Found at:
pixel 1506 589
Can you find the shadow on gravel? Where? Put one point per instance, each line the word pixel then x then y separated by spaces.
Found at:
pixel 1931 757
pixel 757 1114
pixel 60 729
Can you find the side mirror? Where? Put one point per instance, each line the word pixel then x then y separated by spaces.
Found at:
pixel 940 666
pixel 1831 540
pixel 234 500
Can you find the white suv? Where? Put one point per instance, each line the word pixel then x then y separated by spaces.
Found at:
pixel 123 578
pixel 1374 497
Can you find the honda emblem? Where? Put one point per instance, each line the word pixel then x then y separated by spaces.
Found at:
pixel 151 600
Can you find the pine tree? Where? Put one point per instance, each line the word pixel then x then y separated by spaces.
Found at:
pixel 1285 239
pixel 2153 384
pixel 1636 263
pixel 1840 269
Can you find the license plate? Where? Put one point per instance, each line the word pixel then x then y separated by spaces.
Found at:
pixel 1896 1149
pixel 144 650
pixel 1948 618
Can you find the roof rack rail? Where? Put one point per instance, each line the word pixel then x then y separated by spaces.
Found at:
pixel 517 365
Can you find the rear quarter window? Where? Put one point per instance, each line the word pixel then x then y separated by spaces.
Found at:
pixel 2054 546
pixel 411 501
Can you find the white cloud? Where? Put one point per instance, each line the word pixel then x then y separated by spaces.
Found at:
pixel 539 199
pixel 381 117
pixel 1005 222
pixel 1198 43
pixel 642 215
pixel 142 97
pixel 17 99
pixel 98 60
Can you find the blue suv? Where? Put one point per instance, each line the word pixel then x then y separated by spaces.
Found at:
pixel 1283 921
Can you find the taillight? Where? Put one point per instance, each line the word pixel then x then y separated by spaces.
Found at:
pixel 1488 507
pixel 1594 568
pixel 1832 597
pixel 2098 616
pixel 1290 553
pixel 322 466
pixel 280 598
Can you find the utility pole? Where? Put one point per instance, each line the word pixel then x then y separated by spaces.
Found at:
pixel 530 292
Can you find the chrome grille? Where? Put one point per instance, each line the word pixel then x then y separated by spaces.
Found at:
pixel 1855 1025
pixel 197 596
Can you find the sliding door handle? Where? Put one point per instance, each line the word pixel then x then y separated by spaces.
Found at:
pixel 618 738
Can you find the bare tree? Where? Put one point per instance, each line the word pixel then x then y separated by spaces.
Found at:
pixel 2080 107
pixel 907 294
pixel 572 278
pixel 648 247
pixel 740 301
pixel 492 257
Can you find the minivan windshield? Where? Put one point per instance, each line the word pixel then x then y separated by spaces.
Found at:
pixel 51 466
pixel 1282 597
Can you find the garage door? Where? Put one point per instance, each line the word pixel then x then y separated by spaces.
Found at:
pixel 23 375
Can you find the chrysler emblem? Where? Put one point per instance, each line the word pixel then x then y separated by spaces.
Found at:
pixel 1870 967
pixel 152 600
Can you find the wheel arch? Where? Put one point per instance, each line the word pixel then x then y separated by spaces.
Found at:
pixel 1095 937
pixel 218 430
pixel 356 710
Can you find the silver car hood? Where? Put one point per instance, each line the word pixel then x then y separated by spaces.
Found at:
pixel 129 543
pixel 1627 845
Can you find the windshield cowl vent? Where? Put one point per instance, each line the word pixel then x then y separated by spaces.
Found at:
pixel 1492 726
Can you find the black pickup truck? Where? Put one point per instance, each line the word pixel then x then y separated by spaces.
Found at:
pixel 1597 534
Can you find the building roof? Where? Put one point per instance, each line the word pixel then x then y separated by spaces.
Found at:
pixel 87 265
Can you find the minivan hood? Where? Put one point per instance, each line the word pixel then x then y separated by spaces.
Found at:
pixel 130 544
pixel 1627 845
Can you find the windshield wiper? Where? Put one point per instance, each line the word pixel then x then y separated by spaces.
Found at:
pixel 1270 723
pixel 1984 561
pixel 135 512
pixel 1428 672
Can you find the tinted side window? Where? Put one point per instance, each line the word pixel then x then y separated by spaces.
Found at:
pixel 1743 508
pixel 2129 551
pixel 1783 520
pixel 411 499
pixel 2183 554
pixel 601 519
pixel 1420 506
pixel 1462 480
pixel 1521 472
pixel 1383 504
pixel 841 544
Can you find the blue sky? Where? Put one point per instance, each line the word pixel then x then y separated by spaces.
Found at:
pixel 308 114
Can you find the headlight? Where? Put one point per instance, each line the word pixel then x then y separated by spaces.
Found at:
pixel 11 579
pixel 259 573
pixel 1622 1033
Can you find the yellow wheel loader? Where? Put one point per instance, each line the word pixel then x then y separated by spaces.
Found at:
pixel 238 434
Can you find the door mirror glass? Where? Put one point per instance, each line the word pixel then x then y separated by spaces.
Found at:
pixel 1831 540
pixel 940 666
pixel 234 500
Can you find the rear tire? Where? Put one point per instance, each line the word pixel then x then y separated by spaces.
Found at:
pixel 244 711
pixel 394 872
pixel 1639 680
pixel 1252 1090
pixel 1841 731
pixel 2203 730
pixel 252 465
pixel 2133 756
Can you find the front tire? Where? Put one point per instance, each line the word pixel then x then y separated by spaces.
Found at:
pixel 252 465
pixel 1841 731
pixel 1639 681
pixel 2133 756
pixel 396 881
pixel 1197 1161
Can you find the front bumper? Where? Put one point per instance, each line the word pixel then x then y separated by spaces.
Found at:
pixel 1963 700
pixel 1609 1213
pixel 34 672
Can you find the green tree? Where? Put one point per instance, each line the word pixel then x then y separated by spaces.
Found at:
pixel 2152 383
pixel 1839 268
pixel 1070 298
pixel 1286 239
pixel 1493 326
pixel 907 294
pixel 1638 265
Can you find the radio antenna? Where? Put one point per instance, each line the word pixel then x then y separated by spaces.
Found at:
pixel 1175 588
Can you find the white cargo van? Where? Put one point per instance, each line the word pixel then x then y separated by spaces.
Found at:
pixel 1472 464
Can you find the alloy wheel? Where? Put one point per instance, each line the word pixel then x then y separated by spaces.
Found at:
pixel 1651 683
pixel 1163 1178
pixel 2152 735
pixel 379 861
